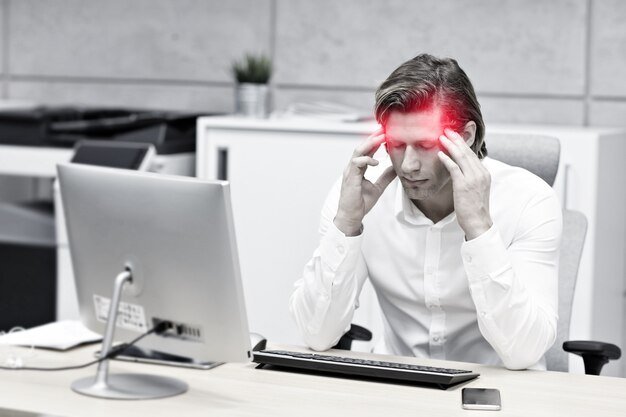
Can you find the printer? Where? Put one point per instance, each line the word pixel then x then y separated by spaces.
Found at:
pixel 170 132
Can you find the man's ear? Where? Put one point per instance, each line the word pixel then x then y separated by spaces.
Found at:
pixel 469 132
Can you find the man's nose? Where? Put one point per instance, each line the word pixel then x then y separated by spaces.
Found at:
pixel 411 161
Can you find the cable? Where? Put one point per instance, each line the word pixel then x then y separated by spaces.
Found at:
pixel 159 328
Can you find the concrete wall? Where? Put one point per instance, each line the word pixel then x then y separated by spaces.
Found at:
pixel 557 61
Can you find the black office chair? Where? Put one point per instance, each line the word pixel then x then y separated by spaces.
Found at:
pixel 540 155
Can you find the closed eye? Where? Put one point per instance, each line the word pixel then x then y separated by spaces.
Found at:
pixel 396 145
pixel 428 144
pixel 423 144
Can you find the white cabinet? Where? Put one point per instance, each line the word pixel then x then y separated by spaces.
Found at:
pixel 279 176
pixel 281 170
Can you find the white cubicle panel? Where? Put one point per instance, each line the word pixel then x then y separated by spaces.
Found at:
pixel 279 180
pixel 281 170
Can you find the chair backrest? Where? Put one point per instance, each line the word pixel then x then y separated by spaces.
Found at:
pixel 572 242
pixel 538 154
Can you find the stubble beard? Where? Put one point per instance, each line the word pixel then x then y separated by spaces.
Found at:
pixel 424 193
pixel 419 193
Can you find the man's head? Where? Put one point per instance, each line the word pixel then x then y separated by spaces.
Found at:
pixel 420 99
pixel 424 82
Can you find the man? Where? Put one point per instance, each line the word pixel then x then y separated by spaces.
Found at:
pixel 462 250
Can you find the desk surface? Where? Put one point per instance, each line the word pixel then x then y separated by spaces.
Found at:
pixel 242 390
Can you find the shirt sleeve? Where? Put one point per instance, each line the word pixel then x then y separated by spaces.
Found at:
pixel 325 297
pixel 515 288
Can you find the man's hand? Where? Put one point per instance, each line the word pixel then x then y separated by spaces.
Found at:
pixel 359 195
pixel 471 184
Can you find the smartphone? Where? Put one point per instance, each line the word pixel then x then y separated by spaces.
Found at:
pixel 481 399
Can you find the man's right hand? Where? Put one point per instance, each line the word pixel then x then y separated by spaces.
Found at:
pixel 359 195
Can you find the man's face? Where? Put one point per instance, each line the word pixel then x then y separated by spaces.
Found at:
pixel 412 141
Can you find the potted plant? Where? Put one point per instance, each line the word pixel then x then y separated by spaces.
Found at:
pixel 251 94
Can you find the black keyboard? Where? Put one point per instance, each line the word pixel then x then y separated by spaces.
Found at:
pixel 442 377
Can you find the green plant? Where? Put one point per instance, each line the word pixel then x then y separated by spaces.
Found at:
pixel 255 69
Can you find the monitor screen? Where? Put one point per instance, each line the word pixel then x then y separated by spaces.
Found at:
pixel 176 237
pixel 113 154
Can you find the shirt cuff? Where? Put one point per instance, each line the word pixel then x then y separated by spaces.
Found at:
pixel 485 256
pixel 336 248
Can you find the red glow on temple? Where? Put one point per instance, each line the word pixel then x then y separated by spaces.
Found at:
pixel 419 128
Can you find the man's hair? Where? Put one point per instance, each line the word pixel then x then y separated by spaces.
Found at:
pixel 425 81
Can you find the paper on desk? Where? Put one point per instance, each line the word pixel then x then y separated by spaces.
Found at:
pixel 60 335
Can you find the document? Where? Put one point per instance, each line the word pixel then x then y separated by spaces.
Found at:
pixel 59 335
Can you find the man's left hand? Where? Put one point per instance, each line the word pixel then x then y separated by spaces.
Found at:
pixel 471 183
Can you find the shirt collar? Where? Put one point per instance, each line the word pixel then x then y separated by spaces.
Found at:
pixel 408 212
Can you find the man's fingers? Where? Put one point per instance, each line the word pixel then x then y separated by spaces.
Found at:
pixel 458 140
pixel 370 145
pixel 451 166
pixel 453 135
pixel 458 155
pixel 453 150
pixel 378 136
pixel 363 161
pixel 385 179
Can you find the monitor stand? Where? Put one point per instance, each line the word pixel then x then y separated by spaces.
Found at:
pixel 124 386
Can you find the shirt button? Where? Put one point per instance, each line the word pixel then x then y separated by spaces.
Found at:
pixel 436 339
pixel 483 313
pixel 341 250
pixel 468 258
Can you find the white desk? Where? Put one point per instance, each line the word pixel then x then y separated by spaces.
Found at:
pixel 39 161
pixel 32 161
pixel 277 227
pixel 242 390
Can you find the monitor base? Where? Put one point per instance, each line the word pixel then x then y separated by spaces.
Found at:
pixel 130 387
pixel 124 386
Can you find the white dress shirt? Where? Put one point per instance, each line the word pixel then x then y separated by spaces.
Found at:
pixel 490 300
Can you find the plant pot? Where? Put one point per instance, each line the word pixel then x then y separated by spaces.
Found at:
pixel 251 100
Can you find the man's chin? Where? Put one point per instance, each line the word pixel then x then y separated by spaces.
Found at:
pixel 418 194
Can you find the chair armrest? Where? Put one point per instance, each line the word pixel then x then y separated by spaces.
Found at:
pixel 594 354
pixel 356 332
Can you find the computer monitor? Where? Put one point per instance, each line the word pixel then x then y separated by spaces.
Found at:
pixel 169 244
